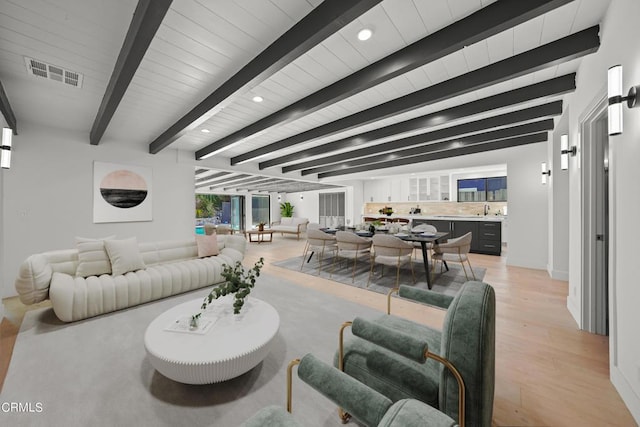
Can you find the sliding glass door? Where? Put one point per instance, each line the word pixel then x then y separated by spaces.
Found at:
pixel 260 209
pixel 331 212
pixel 237 212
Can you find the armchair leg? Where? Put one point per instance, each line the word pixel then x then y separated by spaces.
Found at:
pixel 344 416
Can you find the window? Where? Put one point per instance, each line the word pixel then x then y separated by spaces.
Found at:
pixel 492 189
pixel 260 210
pixel 331 212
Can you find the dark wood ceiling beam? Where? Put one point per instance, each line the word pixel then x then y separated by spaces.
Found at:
pixel 556 86
pixel 519 116
pixel 145 22
pixel 479 138
pixel 471 149
pixel 556 52
pixel 480 25
pixel 329 17
pixel 7 111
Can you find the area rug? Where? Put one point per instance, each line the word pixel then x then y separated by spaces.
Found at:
pixel 96 372
pixel 447 282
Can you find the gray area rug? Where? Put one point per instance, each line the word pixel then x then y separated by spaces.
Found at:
pixel 447 282
pixel 95 372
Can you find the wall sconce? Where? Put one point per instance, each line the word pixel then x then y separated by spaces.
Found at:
pixel 279 197
pixel 614 78
pixel 301 197
pixel 565 151
pixel 5 156
pixel 545 172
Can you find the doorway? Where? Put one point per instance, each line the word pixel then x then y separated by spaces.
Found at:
pixel 595 219
pixel 237 213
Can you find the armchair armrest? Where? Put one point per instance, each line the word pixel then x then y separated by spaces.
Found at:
pixel 425 296
pixel 275 223
pixel 398 342
pixel 357 399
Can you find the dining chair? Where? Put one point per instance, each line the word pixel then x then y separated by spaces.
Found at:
pixel 209 229
pixel 422 228
pixel 223 229
pixel 454 250
pixel 390 250
pixel 351 246
pixel 320 242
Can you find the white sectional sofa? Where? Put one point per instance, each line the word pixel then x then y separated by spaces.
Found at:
pixel 290 226
pixel 170 267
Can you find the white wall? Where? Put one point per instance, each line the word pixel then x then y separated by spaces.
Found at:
pixel 528 205
pixel 558 195
pixel 47 196
pixel 618 46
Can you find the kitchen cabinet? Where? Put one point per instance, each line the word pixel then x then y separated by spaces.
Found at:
pixel 486 234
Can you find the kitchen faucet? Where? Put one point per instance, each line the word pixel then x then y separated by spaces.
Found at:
pixel 486 209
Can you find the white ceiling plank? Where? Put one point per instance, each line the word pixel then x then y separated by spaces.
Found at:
pixel 589 13
pixel 434 13
pixel 477 55
pixel 527 35
pixel 461 8
pixel 500 46
pixel 455 64
pixel 405 17
pixel 289 6
pixel 558 22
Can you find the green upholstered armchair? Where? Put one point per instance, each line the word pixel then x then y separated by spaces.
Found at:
pixel 368 406
pixel 467 341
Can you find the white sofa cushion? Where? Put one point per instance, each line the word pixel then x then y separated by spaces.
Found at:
pixel 92 257
pixel 207 245
pixel 124 255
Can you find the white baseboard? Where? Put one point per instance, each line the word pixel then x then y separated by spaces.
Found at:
pixel 559 275
pixel 628 395
pixel 574 310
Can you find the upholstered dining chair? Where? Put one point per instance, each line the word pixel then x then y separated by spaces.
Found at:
pixel 352 247
pixel 223 229
pixel 313 226
pixel 422 228
pixel 391 251
pixel 319 242
pixel 454 250
pixel 209 229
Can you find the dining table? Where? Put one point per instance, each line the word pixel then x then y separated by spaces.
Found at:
pixel 423 239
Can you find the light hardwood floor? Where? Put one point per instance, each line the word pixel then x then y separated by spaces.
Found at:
pixel 548 373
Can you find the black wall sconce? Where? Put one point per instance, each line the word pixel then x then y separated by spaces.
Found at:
pixel 565 151
pixel 5 148
pixel 545 173
pixel 614 84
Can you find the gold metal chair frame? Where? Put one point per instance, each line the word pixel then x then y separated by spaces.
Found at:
pixel 434 257
pixel 357 255
pixel 373 262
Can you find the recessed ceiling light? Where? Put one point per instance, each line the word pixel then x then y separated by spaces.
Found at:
pixel 205 130
pixel 258 98
pixel 365 34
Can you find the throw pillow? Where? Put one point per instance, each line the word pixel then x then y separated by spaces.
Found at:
pixel 124 255
pixel 92 257
pixel 207 245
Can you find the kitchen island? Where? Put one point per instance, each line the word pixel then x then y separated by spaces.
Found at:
pixel 486 229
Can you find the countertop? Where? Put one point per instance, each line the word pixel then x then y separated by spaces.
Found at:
pixel 497 218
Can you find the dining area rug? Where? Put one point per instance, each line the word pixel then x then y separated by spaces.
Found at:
pixel 383 280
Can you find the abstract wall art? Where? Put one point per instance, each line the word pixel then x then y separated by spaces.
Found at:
pixel 121 193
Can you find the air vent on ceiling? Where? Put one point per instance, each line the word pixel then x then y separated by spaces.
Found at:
pixel 53 72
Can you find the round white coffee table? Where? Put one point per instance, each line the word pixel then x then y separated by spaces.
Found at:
pixel 231 346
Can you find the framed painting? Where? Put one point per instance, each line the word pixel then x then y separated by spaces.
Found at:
pixel 121 193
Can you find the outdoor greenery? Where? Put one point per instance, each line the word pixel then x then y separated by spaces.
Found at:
pixel 208 205
pixel 286 210
pixel 238 281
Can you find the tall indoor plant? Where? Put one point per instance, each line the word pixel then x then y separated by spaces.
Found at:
pixel 286 210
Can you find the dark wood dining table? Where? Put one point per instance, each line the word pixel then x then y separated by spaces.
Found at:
pixel 423 240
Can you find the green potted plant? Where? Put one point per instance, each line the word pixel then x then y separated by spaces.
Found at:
pixel 286 210
pixel 237 281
